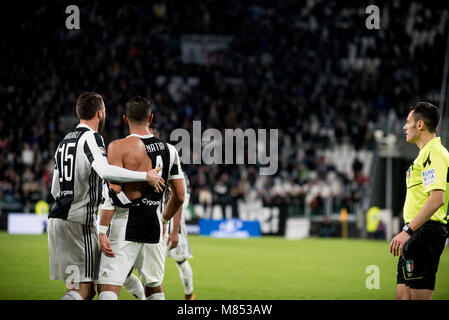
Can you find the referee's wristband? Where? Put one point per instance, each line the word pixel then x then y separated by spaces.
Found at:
pixel 407 229
pixel 164 221
pixel 103 229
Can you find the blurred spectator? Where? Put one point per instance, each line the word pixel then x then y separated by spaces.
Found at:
pixel 310 69
pixel 326 228
pixel 27 155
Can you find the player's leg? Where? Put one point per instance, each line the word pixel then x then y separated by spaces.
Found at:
pixel 421 294
pixel 114 271
pixel 150 265
pixel 73 250
pixel 83 291
pixel 72 295
pixel 54 253
pixel 186 274
pixel 402 292
pixel 154 293
pixel 134 286
pixel 181 253
pixel 433 238
pixel 108 292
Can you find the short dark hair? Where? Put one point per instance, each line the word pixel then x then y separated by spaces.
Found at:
pixel 88 104
pixel 155 130
pixel 428 113
pixel 138 109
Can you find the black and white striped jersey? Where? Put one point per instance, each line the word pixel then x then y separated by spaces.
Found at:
pixel 80 165
pixel 166 197
pixel 138 220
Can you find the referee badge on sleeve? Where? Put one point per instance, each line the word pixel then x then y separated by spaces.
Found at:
pixel 409 266
pixel 428 177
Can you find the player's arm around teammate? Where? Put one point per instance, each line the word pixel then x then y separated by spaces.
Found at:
pixel 110 170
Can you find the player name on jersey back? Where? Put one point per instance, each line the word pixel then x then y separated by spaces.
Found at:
pixel 138 220
pixel 153 147
pixel 79 185
pixel 73 135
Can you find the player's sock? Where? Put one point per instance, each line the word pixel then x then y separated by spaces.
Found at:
pixel 72 295
pixel 157 296
pixel 134 286
pixel 186 274
pixel 190 296
pixel 107 295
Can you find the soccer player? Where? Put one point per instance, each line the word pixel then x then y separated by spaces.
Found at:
pixel 80 166
pixel 130 217
pixel 175 239
pixel 423 237
pixel 178 246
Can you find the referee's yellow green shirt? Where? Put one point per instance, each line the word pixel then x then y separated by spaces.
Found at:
pixel 428 172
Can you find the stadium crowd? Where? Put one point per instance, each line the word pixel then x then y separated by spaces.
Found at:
pixel 308 68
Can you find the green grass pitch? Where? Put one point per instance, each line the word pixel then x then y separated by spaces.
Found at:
pixel 235 269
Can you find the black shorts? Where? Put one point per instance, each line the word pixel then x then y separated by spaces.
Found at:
pixel 418 264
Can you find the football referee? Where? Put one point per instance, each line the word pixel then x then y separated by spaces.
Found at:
pixel 423 237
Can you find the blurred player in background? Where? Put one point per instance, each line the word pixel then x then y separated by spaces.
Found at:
pixel 130 216
pixel 80 166
pixel 422 240
pixel 178 246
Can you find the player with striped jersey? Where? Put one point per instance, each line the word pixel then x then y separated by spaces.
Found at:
pixel 178 246
pixel 80 166
pixel 177 243
pixel 130 227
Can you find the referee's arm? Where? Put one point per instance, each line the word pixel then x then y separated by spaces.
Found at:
pixel 433 203
pixel 435 185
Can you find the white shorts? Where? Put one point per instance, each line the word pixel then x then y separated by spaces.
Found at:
pixel 73 251
pixel 182 250
pixel 148 259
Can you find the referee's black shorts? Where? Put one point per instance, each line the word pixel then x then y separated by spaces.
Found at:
pixel 418 264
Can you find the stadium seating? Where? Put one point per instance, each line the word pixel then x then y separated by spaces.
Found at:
pixel 326 84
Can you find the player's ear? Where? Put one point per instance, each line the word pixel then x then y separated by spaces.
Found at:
pixel 125 118
pixel 100 113
pixel 150 119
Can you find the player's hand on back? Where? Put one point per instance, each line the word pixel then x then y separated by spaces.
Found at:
pixel 105 246
pixel 115 187
pixel 155 180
